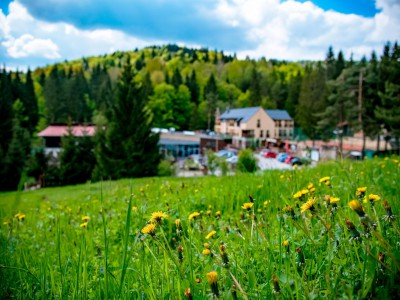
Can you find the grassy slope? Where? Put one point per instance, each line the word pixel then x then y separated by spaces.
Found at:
pixel 64 259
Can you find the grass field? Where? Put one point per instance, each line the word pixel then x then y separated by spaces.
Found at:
pixel 174 238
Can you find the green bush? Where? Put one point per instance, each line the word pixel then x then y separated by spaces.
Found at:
pixel 247 163
pixel 165 168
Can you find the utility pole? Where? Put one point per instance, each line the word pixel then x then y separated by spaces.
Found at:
pixel 360 107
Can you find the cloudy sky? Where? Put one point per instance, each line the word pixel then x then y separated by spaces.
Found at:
pixel 39 32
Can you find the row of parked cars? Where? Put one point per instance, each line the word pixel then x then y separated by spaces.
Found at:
pixel 281 157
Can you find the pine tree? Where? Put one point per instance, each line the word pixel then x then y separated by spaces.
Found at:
pixel 193 88
pixel 311 101
pixel 255 88
pixel 129 147
pixel 77 159
pixel 176 79
pixel 211 96
pixel 30 103
pixel 6 112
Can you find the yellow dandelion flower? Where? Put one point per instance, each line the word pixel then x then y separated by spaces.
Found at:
pixel 267 202
pixel 211 234
pixel 141 190
pixel 209 212
pixel 134 208
pixel 259 211
pixel 324 179
pixel 285 243
pixel 298 194
pixel 309 205
pixel 212 277
pixel 194 215
pixel 207 245
pixel 178 223
pixel 361 191
pixel 373 197
pixel 248 205
pixel 282 177
pixel 206 252
pixel 357 207
pixel 310 186
pixel 149 229
pixel 157 217
pixel 333 200
pixel 85 218
pixel 84 225
pixel 304 192
pixel 218 213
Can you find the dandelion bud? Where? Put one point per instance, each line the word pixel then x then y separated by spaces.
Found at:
pixel 212 278
pixel 180 253
pixel 277 288
pixel 357 207
pixel 188 294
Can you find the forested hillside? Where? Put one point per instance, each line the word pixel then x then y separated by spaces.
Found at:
pixel 182 88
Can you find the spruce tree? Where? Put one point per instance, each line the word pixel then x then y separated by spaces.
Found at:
pixel 30 103
pixel 129 147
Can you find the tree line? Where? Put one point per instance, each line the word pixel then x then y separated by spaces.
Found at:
pixel 125 94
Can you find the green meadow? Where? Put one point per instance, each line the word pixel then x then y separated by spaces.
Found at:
pixel 279 234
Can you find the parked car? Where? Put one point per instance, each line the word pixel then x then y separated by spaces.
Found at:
pixel 281 157
pixel 225 153
pixel 232 159
pixel 293 160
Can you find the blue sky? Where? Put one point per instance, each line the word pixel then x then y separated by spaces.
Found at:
pixel 40 32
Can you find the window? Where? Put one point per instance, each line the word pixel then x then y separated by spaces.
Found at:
pixel 267 134
pixel 261 133
pixel 258 123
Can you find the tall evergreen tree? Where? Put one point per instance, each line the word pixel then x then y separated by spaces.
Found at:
pixel 6 112
pixel 77 159
pixel 129 147
pixel 311 101
pixel 211 97
pixel 255 88
pixel 193 88
pixel 176 79
pixel 30 103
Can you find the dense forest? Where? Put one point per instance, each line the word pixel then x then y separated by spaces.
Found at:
pixel 178 87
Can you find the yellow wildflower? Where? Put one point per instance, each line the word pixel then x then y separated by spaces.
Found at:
pixel 361 191
pixel 267 202
pixel 178 223
pixel 212 277
pixel 218 213
pixel 285 243
pixel 149 229
pixel 324 179
pixel 211 234
pixel 206 252
pixel 207 245
pixel 373 197
pixel 309 205
pixel 333 200
pixel 298 194
pixel 259 211
pixel 85 218
pixel 357 207
pixel 134 208
pixel 84 225
pixel 310 186
pixel 157 217
pixel 194 215
pixel 248 205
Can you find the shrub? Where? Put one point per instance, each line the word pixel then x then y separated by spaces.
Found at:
pixel 166 168
pixel 247 163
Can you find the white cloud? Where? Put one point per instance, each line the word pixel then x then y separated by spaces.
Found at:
pixel 26 45
pixel 39 41
pixel 294 31
pixel 273 28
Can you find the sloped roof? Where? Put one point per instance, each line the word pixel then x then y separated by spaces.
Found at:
pixel 278 114
pixel 61 130
pixel 239 114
